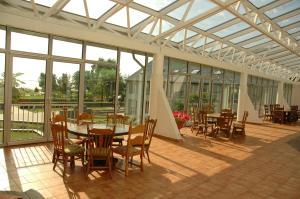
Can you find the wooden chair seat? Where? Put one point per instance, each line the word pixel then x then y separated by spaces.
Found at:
pixel 122 150
pixel 73 149
pixel 100 153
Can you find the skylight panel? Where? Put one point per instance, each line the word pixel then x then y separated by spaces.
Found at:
pixel 289 21
pixel 75 7
pixel 280 10
pixel 155 4
pixel 260 3
pixel 179 36
pixel 201 42
pixel 178 12
pixel 48 3
pixel 97 8
pixel 231 29
pixel 199 7
pixel 120 18
pixel 214 20
pixel 294 30
pixel 165 27
pixel 245 37
pixel 257 43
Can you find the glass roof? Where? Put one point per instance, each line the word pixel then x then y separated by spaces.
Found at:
pixel 214 20
pixel 201 42
pixel 120 18
pixel 231 29
pixel 48 3
pixel 154 4
pixel 294 30
pixel 289 21
pixel 245 37
pixel 280 10
pixel 260 3
pixel 178 12
pixel 179 36
pixel 199 7
pixel 257 43
pixel 165 27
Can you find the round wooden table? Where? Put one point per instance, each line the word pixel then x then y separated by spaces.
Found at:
pixel 81 130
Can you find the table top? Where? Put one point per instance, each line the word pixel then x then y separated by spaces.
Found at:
pixel 81 130
pixel 213 115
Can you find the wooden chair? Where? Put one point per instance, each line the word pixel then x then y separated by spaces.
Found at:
pixel 84 118
pixel 278 116
pixel 99 149
pixel 239 127
pixel 129 150
pixel 203 124
pixel 150 126
pixel 195 119
pixel 267 115
pixel 117 119
pixel 64 149
pixel 224 124
pixel 61 118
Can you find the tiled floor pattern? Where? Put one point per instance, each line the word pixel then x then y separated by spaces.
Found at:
pixel 264 164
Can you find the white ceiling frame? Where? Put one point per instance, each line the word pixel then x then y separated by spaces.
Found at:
pixel 87 13
pixel 259 28
pixel 35 9
pixel 181 25
pixel 128 21
pixel 56 8
pixel 273 25
pixel 107 15
pixel 143 25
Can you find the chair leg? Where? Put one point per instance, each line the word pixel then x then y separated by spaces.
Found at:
pixel 148 157
pixel 142 165
pixel 55 160
pixel 126 165
pixel 65 161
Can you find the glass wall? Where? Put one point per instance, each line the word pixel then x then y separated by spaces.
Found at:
pixel 100 81
pixel 2 69
pixel 27 111
pixel 287 92
pixel 191 84
pixel 132 85
pixel 261 91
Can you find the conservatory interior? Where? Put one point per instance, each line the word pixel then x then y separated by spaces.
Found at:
pixel 216 82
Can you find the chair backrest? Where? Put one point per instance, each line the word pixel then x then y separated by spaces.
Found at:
pixel 195 114
pixel 294 108
pixel 266 107
pixel 245 117
pixel 225 121
pixel 202 115
pixel 84 118
pixel 150 126
pixel 208 108
pixel 100 138
pixel 60 119
pixel 117 119
pixel 59 135
pixel 136 131
pixel 226 110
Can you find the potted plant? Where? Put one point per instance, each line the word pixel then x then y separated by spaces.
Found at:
pixel 181 118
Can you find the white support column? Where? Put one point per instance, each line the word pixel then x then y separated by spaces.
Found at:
pixel 159 105
pixel 244 103
pixel 280 98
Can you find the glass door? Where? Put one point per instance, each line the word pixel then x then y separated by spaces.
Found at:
pixel 28 97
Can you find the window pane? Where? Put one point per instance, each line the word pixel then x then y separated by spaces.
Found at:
pixel 100 82
pixel 65 84
pixel 131 86
pixel 260 3
pixel 28 89
pixel 67 49
pixel 29 43
pixel 96 53
pixel 2 38
pixel 2 68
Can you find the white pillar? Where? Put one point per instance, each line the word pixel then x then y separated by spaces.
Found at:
pixel 159 105
pixel 280 98
pixel 244 102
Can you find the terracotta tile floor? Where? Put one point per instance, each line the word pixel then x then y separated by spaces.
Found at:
pixel 264 164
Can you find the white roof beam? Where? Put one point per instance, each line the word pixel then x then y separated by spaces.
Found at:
pixel 57 7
